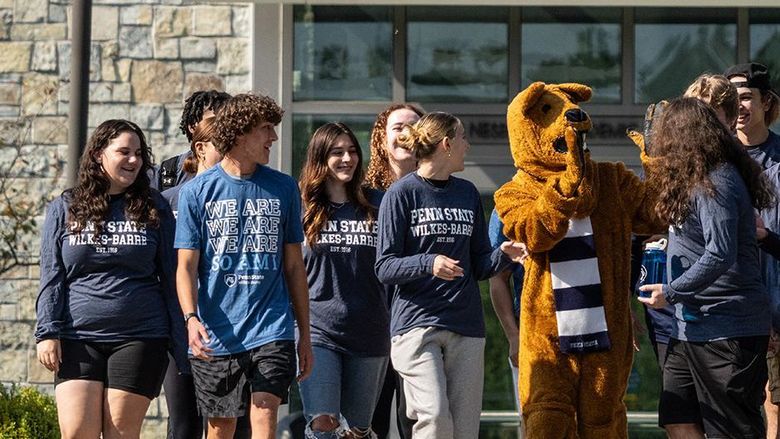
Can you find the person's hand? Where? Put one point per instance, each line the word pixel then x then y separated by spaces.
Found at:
pixel 514 350
pixel 575 163
pixel 774 343
pixel 761 232
pixel 516 251
pixel 197 338
pixel 446 268
pixel 656 299
pixel 50 353
pixel 305 358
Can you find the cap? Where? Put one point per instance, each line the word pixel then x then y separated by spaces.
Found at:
pixel 757 76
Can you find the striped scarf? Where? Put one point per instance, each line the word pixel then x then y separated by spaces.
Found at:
pixel 579 307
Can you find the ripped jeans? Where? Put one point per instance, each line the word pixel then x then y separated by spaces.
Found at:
pixel 345 387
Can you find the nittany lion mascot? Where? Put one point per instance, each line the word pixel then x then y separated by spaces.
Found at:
pixel 576 217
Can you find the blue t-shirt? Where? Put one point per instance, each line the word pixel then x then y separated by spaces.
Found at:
pixel 240 227
pixel 417 222
pixel 496 235
pixel 171 195
pixel 767 153
pixel 347 303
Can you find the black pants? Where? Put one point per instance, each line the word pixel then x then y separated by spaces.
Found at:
pixel 382 414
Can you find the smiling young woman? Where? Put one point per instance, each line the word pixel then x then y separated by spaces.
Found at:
pixel 348 305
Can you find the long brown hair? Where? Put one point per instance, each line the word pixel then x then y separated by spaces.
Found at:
pixel 314 174
pixel 203 132
pixel 691 143
pixel 379 174
pixel 89 198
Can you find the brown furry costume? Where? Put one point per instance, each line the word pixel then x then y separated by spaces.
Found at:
pixel 570 395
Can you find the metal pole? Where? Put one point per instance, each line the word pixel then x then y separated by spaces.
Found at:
pixel 79 85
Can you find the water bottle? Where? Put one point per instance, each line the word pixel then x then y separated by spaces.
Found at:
pixel 653 269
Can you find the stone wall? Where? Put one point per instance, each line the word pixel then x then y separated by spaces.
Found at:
pixel 146 57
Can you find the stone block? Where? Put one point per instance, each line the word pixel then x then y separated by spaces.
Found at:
pixel 7 4
pixel 9 110
pixel 27 302
pixel 102 112
pixel 123 92
pixel 39 32
pixel 198 48
pixel 147 116
pixel 13 132
pixel 138 15
pixel 39 94
pixel 105 22
pixel 16 56
pixel 9 94
pixel 15 336
pixel 154 428
pixel 50 130
pixel 157 81
pixel 211 21
pixel 100 91
pixel 123 69
pixel 6 17
pixel 135 42
pixel 199 81
pixel 241 16
pixel 109 49
pixel 8 311
pixel 13 365
pixel 232 57
pixel 166 48
pixel 36 373
pixel 30 11
pixel 35 161
pixel 237 84
pixel 44 56
pixel 154 410
pixel 200 66
pixel 171 21
pixel 57 13
pixel 108 70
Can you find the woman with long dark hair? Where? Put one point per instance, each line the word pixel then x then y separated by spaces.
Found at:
pixel 349 315
pixel 107 309
pixel 715 367
pixel 433 247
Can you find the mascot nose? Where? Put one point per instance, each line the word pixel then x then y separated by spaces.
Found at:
pixel 576 115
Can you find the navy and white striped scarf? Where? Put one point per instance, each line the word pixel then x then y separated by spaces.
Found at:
pixel 579 306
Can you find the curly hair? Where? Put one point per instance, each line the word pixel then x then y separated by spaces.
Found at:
pixel 379 174
pixel 315 173
pixel 240 115
pixel 423 137
pixel 89 199
pixel 691 142
pixel 196 105
pixel 203 132
pixel 717 91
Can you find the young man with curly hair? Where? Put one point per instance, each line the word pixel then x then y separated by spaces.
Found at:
pixel 240 268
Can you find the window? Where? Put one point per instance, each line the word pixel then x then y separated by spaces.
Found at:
pixel 765 40
pixel 342 53
pixel 304 126
pixel 457 54
pixel 675 45
pixel 573 45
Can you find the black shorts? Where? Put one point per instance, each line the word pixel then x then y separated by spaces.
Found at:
pixel 718 385
pixel 224 384
pixel 135 366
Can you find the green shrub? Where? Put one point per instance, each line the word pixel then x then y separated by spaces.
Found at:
pixel 26 413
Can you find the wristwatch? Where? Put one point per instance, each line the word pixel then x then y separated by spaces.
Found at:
pixel 190 315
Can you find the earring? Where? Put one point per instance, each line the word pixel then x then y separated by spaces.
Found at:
pixel 449 153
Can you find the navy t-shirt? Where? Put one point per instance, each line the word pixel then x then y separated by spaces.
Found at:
pixel 417 222
pixel 347 303
pixel 497 237
pixel 766 154
pixel 240 227
pixel 115 286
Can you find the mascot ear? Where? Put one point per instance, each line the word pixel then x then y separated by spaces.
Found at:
pixel 528 97
pixel 578 92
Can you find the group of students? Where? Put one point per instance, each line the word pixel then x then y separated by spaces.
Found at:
pixel 237 280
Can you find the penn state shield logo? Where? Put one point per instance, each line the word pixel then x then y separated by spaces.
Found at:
pixel 230 280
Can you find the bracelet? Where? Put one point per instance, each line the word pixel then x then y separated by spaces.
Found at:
pixel 190 315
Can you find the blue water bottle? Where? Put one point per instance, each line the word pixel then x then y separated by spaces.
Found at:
pixel 653 270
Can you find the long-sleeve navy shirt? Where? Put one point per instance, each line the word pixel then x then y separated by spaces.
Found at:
pixel 417 222
pixel 115 286
pixel 713 265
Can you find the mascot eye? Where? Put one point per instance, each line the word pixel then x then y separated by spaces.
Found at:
pixel 546 108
